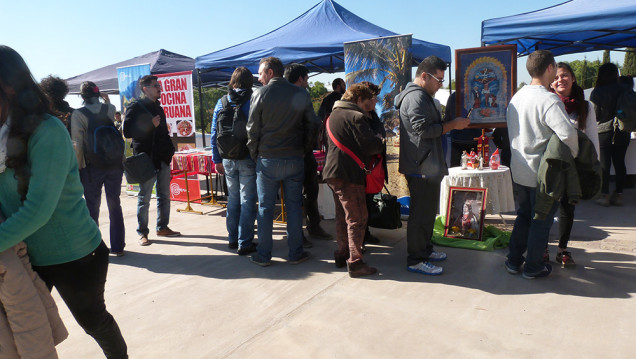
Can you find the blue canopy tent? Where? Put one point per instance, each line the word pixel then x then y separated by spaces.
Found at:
pixel 161 62
pixel 314 39
pixel 571 27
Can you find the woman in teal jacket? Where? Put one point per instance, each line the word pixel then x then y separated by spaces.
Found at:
pixel 41 197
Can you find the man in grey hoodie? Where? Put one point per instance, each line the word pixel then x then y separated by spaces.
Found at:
pixel 422 160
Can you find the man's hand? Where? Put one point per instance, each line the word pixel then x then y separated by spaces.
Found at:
pixel 459 123
pixel 218 167
pixel 156 120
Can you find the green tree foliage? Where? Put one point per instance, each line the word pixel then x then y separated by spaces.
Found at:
pixel 629 65
pixel 317 92
pixel 585 72
pixel 606 57
pixel 521 84
pixel 210 97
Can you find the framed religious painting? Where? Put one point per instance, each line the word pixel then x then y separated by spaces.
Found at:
pixel 465 213
pixel 486 79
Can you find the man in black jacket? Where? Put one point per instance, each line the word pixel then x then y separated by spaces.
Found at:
pixel 280 130
pixel 145 123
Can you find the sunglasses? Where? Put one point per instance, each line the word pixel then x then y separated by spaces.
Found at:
pixel 439 81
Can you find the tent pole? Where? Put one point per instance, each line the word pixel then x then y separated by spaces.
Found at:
pixel 201 108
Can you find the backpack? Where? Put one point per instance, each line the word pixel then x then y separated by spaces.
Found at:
pixel 104 146
pixel 231 134
pixel 626 111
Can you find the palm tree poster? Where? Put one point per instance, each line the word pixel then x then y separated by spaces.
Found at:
pixel 128 81
pixel 386 62
pixel 486 80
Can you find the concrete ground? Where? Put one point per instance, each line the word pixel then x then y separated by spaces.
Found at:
pixel 192 297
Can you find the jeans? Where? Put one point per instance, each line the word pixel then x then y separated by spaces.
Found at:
pixel 162 177
pixel 81 283
pixel 529 234
pixel 351 217
pixel 269 173
pixel 613 153
pixel 240 176
pixel 423 209
pixel 310 186
pixel 93 179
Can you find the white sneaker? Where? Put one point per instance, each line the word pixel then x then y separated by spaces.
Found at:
pixel 437 256
pixel 425 268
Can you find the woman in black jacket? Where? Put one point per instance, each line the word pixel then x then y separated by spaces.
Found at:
pixel 612 142
pixel 349 125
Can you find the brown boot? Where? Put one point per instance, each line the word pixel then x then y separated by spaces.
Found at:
pixel 360 269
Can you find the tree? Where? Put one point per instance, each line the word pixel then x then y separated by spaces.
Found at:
pixel 210 97
pixel 629 65
pixel 317 92
pixel 522 84
pixel 606 57
pixel 585 72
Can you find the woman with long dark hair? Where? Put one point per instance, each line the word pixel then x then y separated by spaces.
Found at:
pixel 582 116
pixel 41 198
pixel 612 141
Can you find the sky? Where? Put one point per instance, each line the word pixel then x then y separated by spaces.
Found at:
pixel 68 38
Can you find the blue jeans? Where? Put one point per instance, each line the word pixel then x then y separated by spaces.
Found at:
pixel 269 173
pixel 162 177
pixel 93 179
pixel 240 176
pixel 529 234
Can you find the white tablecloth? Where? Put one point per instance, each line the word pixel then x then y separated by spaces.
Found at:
pixel 499 197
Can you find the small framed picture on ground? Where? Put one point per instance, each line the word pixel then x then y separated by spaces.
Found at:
pixel 465 213
pixel 486 80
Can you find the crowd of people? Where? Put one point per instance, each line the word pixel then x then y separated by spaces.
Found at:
pixel 52 171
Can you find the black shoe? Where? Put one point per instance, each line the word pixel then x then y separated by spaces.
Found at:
pixel 547 269
pixel 371 239
pixel 232 245
pixel 251 248
pixel 319 233
pixel 307 243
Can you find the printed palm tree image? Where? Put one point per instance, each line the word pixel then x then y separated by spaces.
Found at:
pixel 385 62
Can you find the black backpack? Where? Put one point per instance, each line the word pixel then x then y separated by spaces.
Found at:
pixel 104 147
pixel 626 111
pixel 231 132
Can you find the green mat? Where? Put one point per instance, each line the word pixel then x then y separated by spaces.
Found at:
pixel 493 238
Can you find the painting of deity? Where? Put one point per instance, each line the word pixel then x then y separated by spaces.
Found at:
pixel 486 79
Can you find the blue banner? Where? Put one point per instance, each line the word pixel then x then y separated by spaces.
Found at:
pixel 128 79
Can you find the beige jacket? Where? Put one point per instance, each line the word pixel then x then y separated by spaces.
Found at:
pixel 30 325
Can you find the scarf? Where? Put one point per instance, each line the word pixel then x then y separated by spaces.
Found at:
pixel 4 136
pixel 570 104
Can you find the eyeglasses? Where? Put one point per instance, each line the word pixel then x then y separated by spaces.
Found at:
pixel 157 86
pixel 439 81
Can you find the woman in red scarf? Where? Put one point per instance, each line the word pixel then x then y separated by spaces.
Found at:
pixel 583 117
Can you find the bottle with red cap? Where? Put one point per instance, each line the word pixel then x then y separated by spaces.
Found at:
pixel 494 159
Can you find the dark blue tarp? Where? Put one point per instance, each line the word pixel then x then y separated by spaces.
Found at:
pixel 161 62
pixel 572 27
pixel 315 39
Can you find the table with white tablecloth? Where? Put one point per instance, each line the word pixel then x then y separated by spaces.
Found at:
pixel 499 197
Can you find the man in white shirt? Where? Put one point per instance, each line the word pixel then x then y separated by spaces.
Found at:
pixel 533 115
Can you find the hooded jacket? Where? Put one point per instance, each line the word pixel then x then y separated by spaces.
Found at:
pixel 421 152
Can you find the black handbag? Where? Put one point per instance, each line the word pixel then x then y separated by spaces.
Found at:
pixel 384 211
pixel 139 168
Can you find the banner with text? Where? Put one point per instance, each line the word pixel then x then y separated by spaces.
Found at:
pixel 177 100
